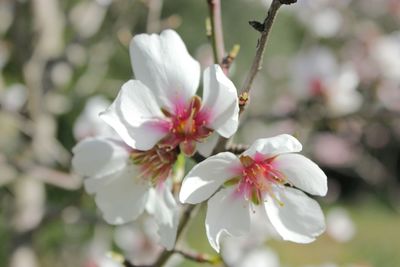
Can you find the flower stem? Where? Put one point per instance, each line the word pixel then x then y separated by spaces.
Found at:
pixel 217 37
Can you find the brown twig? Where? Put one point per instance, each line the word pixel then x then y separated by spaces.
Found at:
pixel 262 41
pixel 154 16
pixel 217 36
pixel 228 60
pixel 127 263
pixel 198 257
pixel 264 28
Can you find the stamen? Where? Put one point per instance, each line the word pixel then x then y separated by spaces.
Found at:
pixel 258 178
pixel 188 124
pixel 155 164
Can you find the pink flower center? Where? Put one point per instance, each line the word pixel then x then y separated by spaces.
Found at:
pixel 155 164
pixel 258 176
pixel 316 87
pixel 187 126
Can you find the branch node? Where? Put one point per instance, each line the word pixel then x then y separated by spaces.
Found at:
pixel 208 28
pixel 228 60
pixel 244 99
pixel 258 26
pixel 287 2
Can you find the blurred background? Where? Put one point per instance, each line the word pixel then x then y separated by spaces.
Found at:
pixel 331 78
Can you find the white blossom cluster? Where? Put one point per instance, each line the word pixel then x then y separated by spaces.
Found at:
pixel 158 116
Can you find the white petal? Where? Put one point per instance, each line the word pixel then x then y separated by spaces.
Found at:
pixel 226 213
pixel 97 157
pixel 162 205
pixel 302 173
pixel 107 261
pixel 343 103
pixel 221 100
pixel 299 220
pixel 273 146
pixel 136 116
pixel 163 63
pixel 158 204
pixel 207 176
pixel 89 123
pixel 207 146
pixel 259 257
pixel 93 184
pixel 168 233
pixel 122 197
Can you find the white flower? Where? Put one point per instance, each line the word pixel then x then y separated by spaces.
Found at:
pixel 14 97
pixel 324 18
pixel 138 240
pixel 317 73
pixel 242 250
pixel 88 123
pixel 385 52
pixel 341 95
pixel 260 176
pixel 340 225
pixel 108 262
pixel 310 71
pixel 126 182
pixel 160 106
pixel 260 257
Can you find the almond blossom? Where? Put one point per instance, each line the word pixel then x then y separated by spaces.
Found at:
pixel 323 18
pixel 156 116
pixel 317 73
pixel 160 106
pixel 268 174
pixel 259 257
pixel 88 122
pixel 126 182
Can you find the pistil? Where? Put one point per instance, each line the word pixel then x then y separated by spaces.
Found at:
pixel 258 177
pixel 188 125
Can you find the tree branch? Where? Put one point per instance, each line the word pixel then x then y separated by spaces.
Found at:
pixel 198 257
pixel 217 36
pixel 256 66
pixel 262 41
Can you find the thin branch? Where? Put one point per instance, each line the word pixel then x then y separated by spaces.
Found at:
pixel 127 263
pixel 237 148
pixel 264 28
pixel 217 36
pixel 198 257
pixel 262 41
pixel 154 16
pixel 221 145
pixel 228 60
